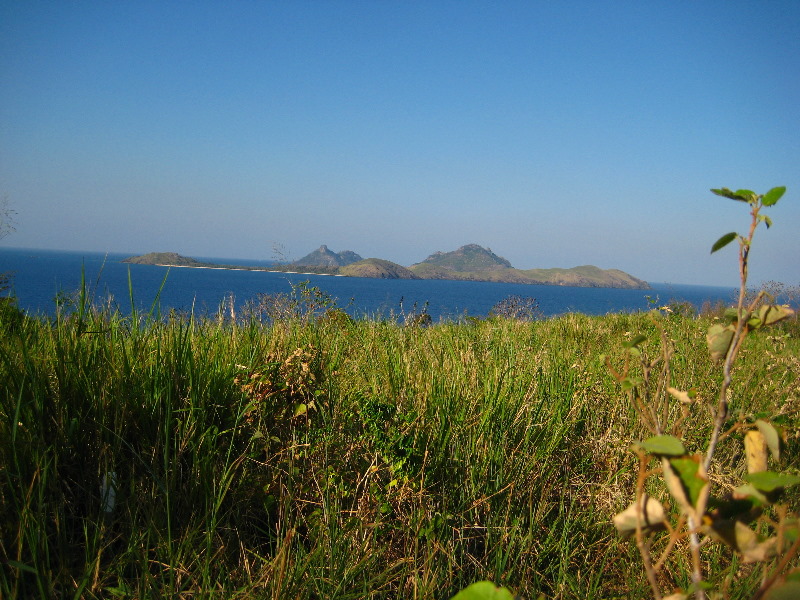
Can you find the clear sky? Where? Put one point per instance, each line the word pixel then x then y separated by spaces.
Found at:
pixel 556 133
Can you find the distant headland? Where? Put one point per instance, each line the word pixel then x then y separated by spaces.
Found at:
pixel 468 263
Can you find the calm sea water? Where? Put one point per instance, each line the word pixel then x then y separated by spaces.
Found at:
pixel 39 275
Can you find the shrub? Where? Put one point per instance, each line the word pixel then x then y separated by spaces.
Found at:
pixel 518 308
pixel 668 520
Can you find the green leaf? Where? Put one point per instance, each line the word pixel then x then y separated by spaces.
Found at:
pixel 747 195
pixel 675 487
pixel 725 192
pixel 793 575
pixel 768 221
pixel 772 196
pixel 723 241
pixel 700 585
pixel 629 383
pixel 300 409
pixel 738 505
pixel 483 590
pixel 688 471
pixel 771 437
pixel 663 445
pixel 22 567
pixel 769 481
pixel 788 590
pixel 635 341
pixel 731 315
pixel 719 339
pixel 749 492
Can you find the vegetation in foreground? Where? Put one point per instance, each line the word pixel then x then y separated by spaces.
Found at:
pixel 683 489
pixel 313 456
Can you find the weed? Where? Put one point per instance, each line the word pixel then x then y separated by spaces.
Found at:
pixel 311 455
pixel 747 514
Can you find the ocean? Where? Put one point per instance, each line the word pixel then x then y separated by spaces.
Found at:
pixel 39 276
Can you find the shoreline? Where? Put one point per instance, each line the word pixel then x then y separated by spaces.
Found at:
pixel 243 269
pixel 265 270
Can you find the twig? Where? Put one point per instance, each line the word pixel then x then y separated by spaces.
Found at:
pixel 641 543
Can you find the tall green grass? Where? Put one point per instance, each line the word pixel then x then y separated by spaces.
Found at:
pixel 328 458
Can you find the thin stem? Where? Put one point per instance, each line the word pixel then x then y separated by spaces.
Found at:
pixel 674 536
pixel 694 546
pixel 721 413
pixel 641 542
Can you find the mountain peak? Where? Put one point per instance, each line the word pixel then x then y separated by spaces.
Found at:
pixel 324 257
pixel 470 257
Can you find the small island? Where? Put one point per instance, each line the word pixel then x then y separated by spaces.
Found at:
pixel 468 263
pixel 166 259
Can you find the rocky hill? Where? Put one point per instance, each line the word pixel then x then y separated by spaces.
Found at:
pixel 475 263
pixel 377 268
pixel 586 276
pixel 469 258
pixel 324 257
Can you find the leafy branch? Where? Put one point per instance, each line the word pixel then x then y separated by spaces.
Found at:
pixel 738 519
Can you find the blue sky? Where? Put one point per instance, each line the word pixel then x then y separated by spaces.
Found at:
pixel 556 133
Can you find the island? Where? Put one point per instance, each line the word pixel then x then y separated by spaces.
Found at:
pixel 170 259
pixel 468 263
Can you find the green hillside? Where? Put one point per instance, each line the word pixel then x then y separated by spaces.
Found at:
pixel 471 257
pixel 377 268
pixel 586 276
pixel 474 263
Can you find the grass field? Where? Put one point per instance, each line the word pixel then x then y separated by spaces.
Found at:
pixel 329 458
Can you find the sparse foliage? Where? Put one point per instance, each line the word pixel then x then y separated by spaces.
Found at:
pixel 305 302
pixel 418 316
pixel 418 319
pixel 518 308
pixel 699 501
pixel 280 254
